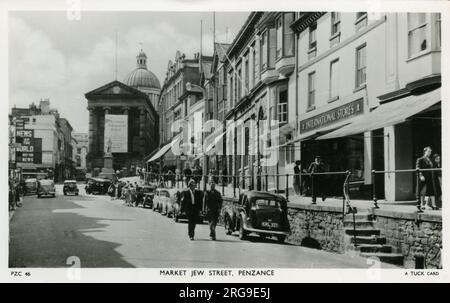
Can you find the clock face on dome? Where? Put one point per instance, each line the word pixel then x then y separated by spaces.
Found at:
pixel 116 89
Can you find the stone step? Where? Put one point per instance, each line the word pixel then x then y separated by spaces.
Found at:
pixel 374 248
pixel 358 216
pixel 358 224
pixel 367 240
pixel 362 232
pixel 396 259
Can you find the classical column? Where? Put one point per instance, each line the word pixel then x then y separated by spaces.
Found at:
pixel 106 110
pixel 142 129
pixel 91 128
pixel 126 111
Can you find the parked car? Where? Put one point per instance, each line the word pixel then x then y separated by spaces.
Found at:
pixel 31 186
pixel 161 200
pixel 70 187
pixel 97 186
pixel 258 212
pixel 46 188
pixel 145 195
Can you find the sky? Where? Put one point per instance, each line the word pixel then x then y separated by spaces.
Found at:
pixel 52 56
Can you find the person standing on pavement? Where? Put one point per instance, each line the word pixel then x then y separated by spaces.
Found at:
pixel 191 204
pixel 187 174
pixel 297 187
pixel 426 189
pixel 112 191
pixel 213 200
pixel 317 181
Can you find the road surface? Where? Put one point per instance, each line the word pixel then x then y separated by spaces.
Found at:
pixel 103 233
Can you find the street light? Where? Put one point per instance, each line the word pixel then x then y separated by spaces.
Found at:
pixel 189 88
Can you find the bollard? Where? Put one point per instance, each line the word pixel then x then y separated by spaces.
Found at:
pixel 223 187
pixel 419 202
pixel 287 187
pixel 374 190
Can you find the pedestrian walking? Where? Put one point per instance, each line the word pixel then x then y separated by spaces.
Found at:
pixel 187 172
pixel 177 176
pixel 112 191
pixel 213 201
pixel 297 187
pixel 426 189
pixel 191 204
pixel 317 179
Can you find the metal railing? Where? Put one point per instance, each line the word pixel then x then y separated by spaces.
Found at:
pixel 417 172
pixel 257 181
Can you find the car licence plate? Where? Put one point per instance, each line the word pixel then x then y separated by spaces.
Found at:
pixel 269 224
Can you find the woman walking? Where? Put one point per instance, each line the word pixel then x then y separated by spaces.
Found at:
pixel 426 189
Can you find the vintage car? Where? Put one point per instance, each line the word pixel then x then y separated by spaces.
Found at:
pixel 46 188
pixel 161 200
pixel 97 186
pixel 257 212
pixel 145 195
pixel 70 187
pixel 31 186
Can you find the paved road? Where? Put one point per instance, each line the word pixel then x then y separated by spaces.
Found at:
pixel 103 233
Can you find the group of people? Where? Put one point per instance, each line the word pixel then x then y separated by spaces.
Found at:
pixel 126 191
pixel 317 187
pixel 192 201
pixel 429 187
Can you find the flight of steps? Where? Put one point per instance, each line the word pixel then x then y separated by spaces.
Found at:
pixel 369 243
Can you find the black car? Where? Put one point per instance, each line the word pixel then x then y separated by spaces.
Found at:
pixel 70 187
pixel 97 186
pixel 258 212
pixel 46 188
pixel 145 194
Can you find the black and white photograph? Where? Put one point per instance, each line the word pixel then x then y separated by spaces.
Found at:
pixel 234 143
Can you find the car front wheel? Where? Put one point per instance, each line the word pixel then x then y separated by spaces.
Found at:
pixel 242 232
pixel 227 223
pixel 281 239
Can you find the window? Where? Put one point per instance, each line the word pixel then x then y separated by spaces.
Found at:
pixel 272 47
pixel 177 115
pixel 279 37
pixel 335 23
pixel 312 36
pixel 282 104
pixel 239 84
pixel 263 51
pixel 417 33
pixel 311 89
pixel 360 65
pixel 246 145
pixel 361 20
pixel 247 76
pixel 288 43
pixel 254 64
pixel 334 71
pixel 290 153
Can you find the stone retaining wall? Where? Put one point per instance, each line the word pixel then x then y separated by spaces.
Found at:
pixel 413 235
pixel 322 227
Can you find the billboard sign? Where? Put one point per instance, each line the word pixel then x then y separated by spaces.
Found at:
pixel 116 134
pixel 25 151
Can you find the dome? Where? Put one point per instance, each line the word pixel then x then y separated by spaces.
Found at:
pixel 141 77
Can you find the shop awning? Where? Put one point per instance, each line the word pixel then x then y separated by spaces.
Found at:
pixel 164 149
pixel 388 114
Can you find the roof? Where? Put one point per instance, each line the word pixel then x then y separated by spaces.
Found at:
pixel 69 181
pixel 142 77
pixel 261 194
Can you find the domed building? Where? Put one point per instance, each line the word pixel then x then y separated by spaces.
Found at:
pixel 144 80
pixel 123 122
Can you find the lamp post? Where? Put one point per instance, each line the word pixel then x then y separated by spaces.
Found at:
pixel 189 88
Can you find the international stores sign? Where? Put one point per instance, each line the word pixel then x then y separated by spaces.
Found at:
pixel 334 115
pixel 116 134
pixel 28 148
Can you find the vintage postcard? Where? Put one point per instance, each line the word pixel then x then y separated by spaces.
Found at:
pixel 185 141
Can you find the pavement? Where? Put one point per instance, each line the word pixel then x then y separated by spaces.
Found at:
pixel 103 233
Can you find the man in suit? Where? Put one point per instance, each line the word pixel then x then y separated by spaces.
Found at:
pixel 191 204
pixel 213 200
pixel 318 185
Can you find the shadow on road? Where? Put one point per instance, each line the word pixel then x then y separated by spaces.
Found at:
pixel 43 236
